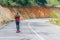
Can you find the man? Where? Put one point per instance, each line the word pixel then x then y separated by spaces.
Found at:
pixel 17 19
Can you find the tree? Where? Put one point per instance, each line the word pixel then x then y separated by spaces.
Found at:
pixel 0 2
pixel 52 3
pixel 5 2
pixel 31 3
pixel 59 0
pixel 41 2
pixel 23 2
pixel 12 3
pixel 8 2
pixel 26 2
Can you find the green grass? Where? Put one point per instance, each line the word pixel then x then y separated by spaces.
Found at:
pixel 55 21
pixel 55 14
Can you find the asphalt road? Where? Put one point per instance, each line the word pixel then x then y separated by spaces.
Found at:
pixel 34 29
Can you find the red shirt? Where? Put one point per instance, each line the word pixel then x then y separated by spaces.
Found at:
pixel 17 19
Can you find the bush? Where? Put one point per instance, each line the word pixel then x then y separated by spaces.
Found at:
pixel 53 14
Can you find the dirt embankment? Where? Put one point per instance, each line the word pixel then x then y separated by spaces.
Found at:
pixel 7 14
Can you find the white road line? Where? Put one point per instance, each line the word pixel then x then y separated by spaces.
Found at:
pixel 10 37
pixel 40 37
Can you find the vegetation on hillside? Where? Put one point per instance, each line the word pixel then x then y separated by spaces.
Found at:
pixel 30 2
pixel 55 15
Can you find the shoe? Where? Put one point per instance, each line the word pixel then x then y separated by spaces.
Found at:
pixel 17 31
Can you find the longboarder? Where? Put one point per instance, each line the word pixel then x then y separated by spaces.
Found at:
pixel 17 20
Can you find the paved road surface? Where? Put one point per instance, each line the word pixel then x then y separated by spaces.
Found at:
pixel 36 29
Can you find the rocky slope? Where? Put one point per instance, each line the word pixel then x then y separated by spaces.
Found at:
pixel 7 14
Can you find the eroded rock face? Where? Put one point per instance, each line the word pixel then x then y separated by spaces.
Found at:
pixel 7 14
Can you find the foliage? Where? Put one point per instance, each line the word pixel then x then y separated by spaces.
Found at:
pixel 53 2
pixel 29 2
pixel 58 21
pixel 11 3
pixel 4 2
pixel 41 2
pixel 55 21
pixel 21 2
pixel 53 14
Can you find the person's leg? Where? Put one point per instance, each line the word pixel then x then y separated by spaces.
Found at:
pixel 17 27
